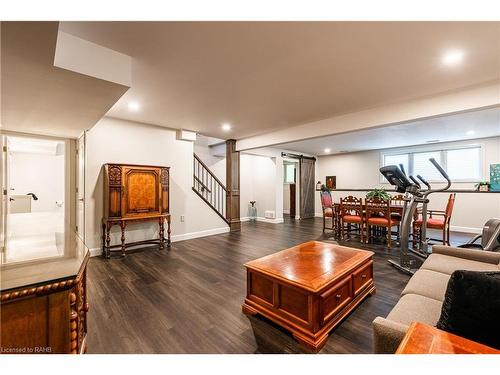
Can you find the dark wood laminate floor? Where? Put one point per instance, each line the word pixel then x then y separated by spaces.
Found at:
pixel 188 299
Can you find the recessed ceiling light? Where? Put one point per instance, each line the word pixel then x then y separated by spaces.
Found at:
pixel 134 106
pixel 226 127
pixel 453 57
pixel 471 132
pixel 327 150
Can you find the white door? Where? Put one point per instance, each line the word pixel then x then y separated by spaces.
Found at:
pixel 4 165
pixel 80 187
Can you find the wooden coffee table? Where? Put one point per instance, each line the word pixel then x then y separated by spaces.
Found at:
pixel 308 289
pixel 424 339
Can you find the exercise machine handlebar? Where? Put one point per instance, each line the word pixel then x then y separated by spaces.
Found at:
pixel 415 181
pixel 424 181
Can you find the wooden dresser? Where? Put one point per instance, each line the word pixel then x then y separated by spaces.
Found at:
pixel 134 193
pixel 44 304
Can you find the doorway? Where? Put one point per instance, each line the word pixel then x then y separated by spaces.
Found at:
pixel 34 196
pixel 290 188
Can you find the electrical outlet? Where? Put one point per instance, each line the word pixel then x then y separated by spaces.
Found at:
pixel 182 218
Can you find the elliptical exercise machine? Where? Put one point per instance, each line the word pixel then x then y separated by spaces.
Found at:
pixel 413 197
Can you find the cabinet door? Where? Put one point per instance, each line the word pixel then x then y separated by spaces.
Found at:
pixel 141 191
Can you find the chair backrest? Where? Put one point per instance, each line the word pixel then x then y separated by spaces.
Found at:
pixel 326 199
pixel 449 206
pixel 397 200
pixel 351 206
pixel 377 206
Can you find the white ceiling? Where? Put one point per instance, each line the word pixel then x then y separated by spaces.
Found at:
pixel 470 125
pixel 40 98
pixel 264 76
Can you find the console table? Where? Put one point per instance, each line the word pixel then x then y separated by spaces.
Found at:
pixel 135 193
pixel 424 339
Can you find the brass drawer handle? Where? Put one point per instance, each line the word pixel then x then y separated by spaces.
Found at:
pixel 338 296
pixel 363 276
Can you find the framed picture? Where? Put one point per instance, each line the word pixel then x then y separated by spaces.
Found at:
pixel 331 182
pixel 495 177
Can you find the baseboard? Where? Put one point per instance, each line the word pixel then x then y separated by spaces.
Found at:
pixel 286 211
pixel 264 220
pixel 318 214
pixel 179 237
pixel 455 228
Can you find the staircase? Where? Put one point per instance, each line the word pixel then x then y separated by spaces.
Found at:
pixel 209 188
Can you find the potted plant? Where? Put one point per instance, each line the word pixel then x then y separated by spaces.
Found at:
pixel 483 186
pixel 378 193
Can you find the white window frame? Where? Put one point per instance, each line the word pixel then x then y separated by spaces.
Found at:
pixel 443 149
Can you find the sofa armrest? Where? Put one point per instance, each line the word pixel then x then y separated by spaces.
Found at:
pixel 470 254
pixel 387 335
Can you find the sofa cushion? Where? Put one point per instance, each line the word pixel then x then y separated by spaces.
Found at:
pixel 472 307
pixel 413 307
pixel 448 264
pixel 428 284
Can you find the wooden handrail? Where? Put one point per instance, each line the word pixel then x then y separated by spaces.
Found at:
pixel 209 171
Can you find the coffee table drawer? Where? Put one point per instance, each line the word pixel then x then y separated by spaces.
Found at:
pixel 362 277
pixel 335 299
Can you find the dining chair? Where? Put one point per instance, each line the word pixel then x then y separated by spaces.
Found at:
pixel 378 214
pixel 442 223
pixel 397 201
pixel 351 212
pixel 328 209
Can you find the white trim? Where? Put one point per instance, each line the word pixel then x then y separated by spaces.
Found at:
pixel 203 233
pixel 286 211
pixel 318 214
pixel 263 219
pixel 455 228
pixel 179 237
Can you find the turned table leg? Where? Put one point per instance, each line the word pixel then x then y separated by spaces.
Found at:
pixel 108 240
pixel 162 233
pixel 168 231
pixel 123 225
pixel 103 238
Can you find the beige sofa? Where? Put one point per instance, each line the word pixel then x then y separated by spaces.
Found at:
pixel 423 296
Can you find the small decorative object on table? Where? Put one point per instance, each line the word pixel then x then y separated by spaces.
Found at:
pixel 483 186
pixel 495 177
pixel 318 186
pixel 252 211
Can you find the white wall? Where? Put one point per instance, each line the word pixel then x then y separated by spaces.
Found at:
pixel 217 164
pixel 258 181
pixel 360 170
pixel 113 140
pixel 42 174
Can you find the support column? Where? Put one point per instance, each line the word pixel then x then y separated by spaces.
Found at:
pixel 233 185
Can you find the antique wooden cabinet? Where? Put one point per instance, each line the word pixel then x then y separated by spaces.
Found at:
pixel 43 300
pixel 135 193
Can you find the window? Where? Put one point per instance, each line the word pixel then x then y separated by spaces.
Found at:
pixel 397 160
pixel 289 173
pixel 461 164
pixel 423 167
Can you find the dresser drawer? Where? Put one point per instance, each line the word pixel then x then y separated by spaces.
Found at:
pixel 335 299
pixel 362 277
